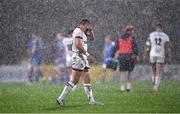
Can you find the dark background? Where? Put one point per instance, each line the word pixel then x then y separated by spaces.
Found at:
pixel 19 18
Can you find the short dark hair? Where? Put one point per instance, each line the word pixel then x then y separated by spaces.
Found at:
pixel 159 26
pixel 85 21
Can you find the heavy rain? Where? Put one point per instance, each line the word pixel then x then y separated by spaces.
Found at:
pixel 33 27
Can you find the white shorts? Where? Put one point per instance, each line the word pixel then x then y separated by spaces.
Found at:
pixel 155 59
pixel 79 62
pixel 68 62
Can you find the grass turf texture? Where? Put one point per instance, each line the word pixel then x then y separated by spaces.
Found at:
pixel 41 97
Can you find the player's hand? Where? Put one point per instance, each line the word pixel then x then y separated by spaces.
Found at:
pixel 89 28
pixel 90 58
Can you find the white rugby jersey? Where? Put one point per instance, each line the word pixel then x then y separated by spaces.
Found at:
pixel 157 42
pixel 68 46
pixel 78 33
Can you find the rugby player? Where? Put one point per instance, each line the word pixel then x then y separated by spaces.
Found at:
pixel 80 61
pixel 157 47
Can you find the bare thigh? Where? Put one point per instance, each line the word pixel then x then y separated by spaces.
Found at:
pixel 86 77
pixel 159 67
pixel 75 76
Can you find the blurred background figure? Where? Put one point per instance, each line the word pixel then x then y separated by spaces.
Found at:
pixel 29 53
pixel 34 50
pixel 60 60
pixel 157 48
pixel 67 41
pixel 127 50
pixel 109 62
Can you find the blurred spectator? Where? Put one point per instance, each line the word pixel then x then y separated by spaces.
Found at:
pixel 158 48
pixel 67 41
pixel 109 62
pixel 34 50
pixel 60 60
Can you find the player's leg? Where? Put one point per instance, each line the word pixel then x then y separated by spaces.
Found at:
pixel 36 62
pixel 69 86
pixel 122 81
pixel 87 87
pixel 154 73
pixel 159 67
pixel 122 73
pixel 114 70
pixel 69 72
pixel 130 67
pixel 78 66
pixel 129 85
pixel 153 61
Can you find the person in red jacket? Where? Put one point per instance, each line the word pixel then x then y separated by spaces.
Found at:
pixel 127 52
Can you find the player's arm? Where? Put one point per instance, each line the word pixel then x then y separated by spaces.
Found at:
pixel 79 45
pixel 168 51
pixel 146 50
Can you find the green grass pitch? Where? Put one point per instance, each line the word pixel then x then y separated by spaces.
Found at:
pixel 41 97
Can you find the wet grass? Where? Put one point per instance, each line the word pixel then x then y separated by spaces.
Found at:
pixel 41 97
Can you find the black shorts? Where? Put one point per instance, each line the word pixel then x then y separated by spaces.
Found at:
pixel 126 62
pixel 112 64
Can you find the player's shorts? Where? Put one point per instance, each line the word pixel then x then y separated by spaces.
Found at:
pixel 126 62
pixel 155 59
pixel 111 64
pixel 68 62
pixel 79 62
pixel 36 61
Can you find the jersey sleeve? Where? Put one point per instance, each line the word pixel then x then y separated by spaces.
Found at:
pixel 167 38
pixel 148 40
pixel 78 34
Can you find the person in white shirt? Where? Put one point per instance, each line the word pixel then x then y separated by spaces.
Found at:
pixel 157 47
pixel 80 61
pixel 67 41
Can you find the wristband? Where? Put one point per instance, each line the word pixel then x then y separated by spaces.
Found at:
pixel 87 54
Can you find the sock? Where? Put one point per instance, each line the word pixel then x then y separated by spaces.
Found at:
pixel 89 93
pixel 122 87
pixel 68 88
pixel 128 86
pixel 153 79
pixel 157 81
